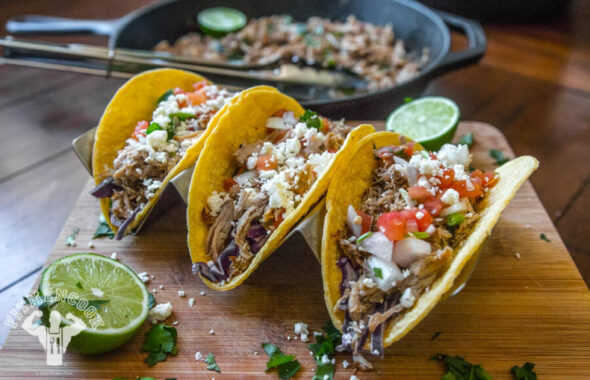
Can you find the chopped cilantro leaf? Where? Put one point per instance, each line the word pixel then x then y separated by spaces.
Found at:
pixel 324 370
pixel 525 372
pixel 364 236
pixel 460 369
pixel 498 156
pixel 71 239
pixel 160 341
pixel 455 219
pixel 79 285
pixel 544 237
pixel 210 359
pixel 285 364
pixel 44 304
pixel 151 301
pixel 325 345
pixel 311 119
pixel 408 99
pixel 103 229
pixel 421 234
pixel 165 96
pixel 466 139
pixel 153 127
pixel 377 272
pixel 182 115
pixel 436 335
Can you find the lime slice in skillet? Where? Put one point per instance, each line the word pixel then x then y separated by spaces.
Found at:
pixel 219 21
pixel 431 121
pixel 84 281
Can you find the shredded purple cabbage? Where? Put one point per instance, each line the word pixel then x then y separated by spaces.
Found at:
pixel 203 269
pixel 256 237
pixel 377 336
pixel 348 273
pixel 105 189
pixel 345 345
pixel 220 270
pixel 126 223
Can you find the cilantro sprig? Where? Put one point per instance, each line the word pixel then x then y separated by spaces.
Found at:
pixel 71 239
pixel 525 372
pixel 160 342
pixel 466 139
pixel 285 364
pixel 103 229
pixel 545 238
pixel 212 364
pixel 460 369
pixel 165 96
pixel 324 346
pixel 311 119
pixel 498 156
pixel 46 302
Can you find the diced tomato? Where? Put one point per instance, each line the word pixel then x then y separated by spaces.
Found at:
pixel 411 225
pixel 178 91
pixel 409 149
pixel 140 129
pixel 279 113
pixel 393 225
pixel 490 180
pixel 419 193
pixel 424 221
pixel 199 85
pixel 325 125
pixel 460 187
pixel 266 162
pixel 447 178
pixel 366 221
pixel 433 206
pixel 228 183
pixel 432 156
pixel 197 97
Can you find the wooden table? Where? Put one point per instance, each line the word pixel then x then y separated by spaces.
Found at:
pixel 534 84
pixel 534 308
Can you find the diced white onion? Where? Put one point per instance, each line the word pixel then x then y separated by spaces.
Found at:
pixel 400 161
pixel 460 206
pixel 412 173
pixel 276 123
pixel 389 271
pixel 351 215
pixel 407 198
pixel 243 178
pixel 289 118
pixel 409 250
pixel 379 245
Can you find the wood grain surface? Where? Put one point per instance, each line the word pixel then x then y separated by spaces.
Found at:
pixel 535 308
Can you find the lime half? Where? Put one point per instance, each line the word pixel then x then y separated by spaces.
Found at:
pixel 431 121
pixel 219 21
pixel 106 295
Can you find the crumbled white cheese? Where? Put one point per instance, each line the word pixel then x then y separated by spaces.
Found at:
pixel 175 323
pixel 90 244
pixel 97 292
pixel 158 140
pixel 161 286
pixel 288 337
pixel 450 197
pixel 431 229
pixel 181 293
pixel 251 162
pixel 211 331
pixel 160 312
pixel 114 255
pixel 345 364
pixel 419 215
pixel 191 302
pixel 302 330
pixel 143 276
pixel 451 154
pixel 353 377
pixel 202 293
pixel 320 162
pixel 198 356
pixel 154 291
pixel 325 359
pixel 407 299
pixel 517 255
pixel 215 201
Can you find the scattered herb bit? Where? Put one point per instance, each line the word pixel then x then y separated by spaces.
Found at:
pixel 212 364
pixel 165 96
pixel 182 116
pixel 525 372
pixel 325 345
pixel 311 119
pixel 103 229
pixel 79 285
pixel 498 156
pixel 466 139
pixel 363 236
pixel 436 335
pixel 455 219
pixel 160 342
pixel 151 301
pixel 544 237
pixel 71 239
pixel 421 234
pixel 44 304
pixel 153 127
pixel 460 369
pixel 408 99
pixel 286 364
pixel 377 272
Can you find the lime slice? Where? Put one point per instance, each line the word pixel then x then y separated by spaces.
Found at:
pixel 84 281
pixel 219 21
pixel 431 121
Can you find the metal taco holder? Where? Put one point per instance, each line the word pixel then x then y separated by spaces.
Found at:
pixel 305 236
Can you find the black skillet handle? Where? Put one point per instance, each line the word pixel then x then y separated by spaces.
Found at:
pixel 475 37
pixel 33 24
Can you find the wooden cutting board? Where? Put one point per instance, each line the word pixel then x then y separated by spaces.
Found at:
pixel 536 308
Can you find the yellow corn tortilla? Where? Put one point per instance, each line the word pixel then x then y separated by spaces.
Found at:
pixel 135 101
pixel 348 188
pixel 243 123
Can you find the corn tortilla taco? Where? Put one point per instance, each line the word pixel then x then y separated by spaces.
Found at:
pixel 154 128
pixel 265 165
pixel 400 226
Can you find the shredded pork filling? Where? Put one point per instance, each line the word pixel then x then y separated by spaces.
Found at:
pixel 368 50
pixel 273 177
pixel 373 295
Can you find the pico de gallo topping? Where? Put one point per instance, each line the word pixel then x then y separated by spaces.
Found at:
pixel 155 146
pixel 418 210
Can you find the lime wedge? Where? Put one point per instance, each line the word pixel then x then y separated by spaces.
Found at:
pixel 105 294
pixel 431 121
pixel 219 21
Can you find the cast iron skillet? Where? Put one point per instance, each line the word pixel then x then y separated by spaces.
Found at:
pixel 419 26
